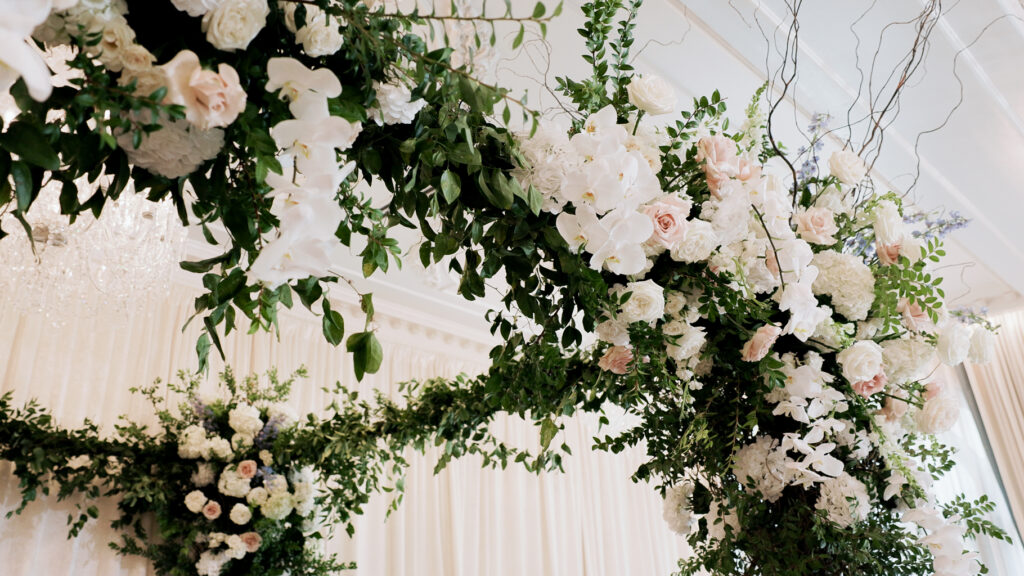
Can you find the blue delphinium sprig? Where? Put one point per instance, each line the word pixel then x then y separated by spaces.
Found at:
pixel 809 168
pixel 936 227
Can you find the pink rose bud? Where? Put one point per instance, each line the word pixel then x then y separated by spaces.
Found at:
pixel 888 254
pixel 868 387
pixel 760 343
pixel 211 510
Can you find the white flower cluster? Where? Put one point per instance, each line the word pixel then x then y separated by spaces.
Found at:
pixel 395 104
pixel 844 499
pixel 304 196
pixel 847 280
pixel 677 508
pixel 945 539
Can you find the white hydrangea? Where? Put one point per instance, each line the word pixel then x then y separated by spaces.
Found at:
pixel 677 509
pixel 982 345
pixel 232 484
pixel 763 464
pixel 245 419
pixel 278 505
pixel 954 342
pixel 177 149
pixel 204 475
pixel 835 496
pixel 210 563
pixel 192 443
pixel 395 104
pixel 907 359
pixel 847 280
pixel 718 519
pixel 220 448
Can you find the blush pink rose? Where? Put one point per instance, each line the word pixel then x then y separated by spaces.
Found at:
pixel 932 389
pixel 894 409
pixel 718 153
pixel 868 387
pixel 888 254
pixel 760 343
pixel 616 360
pixel 914 317
pixel 669 218
pixel 247 468
pixel 252 541
pixel 211 99
pixel 211 510
pixel 816 225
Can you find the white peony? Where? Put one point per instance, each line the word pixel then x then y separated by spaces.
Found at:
pixel 847 167
pixel 194 501
pixel 177 149
pixel 646 302
pixel 240 514
pixel 983 344
pixel 395 104
pixel 907 359
pixel 245 419
pixel 861 362
pixel 835 499
pixel 195 7
pixel 651 94
pixel 954 342
pixel 697 243
pixel 677 509
pixel 233 24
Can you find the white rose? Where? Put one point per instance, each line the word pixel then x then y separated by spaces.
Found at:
pixel 651 94
pixel 194 501
pixel 233 24
pixel 954 343
pixel 277 506
pixel 847 167
pixel 674 303
pixel 938 415
pixel 982 346
pixel 396 105
pixel 613 331
pixel 236 547
pixel 195 7
pixel 888 224
pixel 646 302
pixel 861 362
pixel 320 36
pixel 240 514
pixel 697 244
pixel 257 496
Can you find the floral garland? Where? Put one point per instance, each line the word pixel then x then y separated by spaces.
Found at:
pixel 774 330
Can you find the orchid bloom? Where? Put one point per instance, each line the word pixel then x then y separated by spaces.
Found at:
pixel 18 57
pixel 312 137
pixel 295 82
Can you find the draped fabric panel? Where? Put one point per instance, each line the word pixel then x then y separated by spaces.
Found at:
pixel 999 390
pixel 465 521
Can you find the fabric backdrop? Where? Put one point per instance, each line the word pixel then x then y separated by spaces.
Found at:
pixel 591 520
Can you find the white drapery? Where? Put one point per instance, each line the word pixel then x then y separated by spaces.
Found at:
pixel 465 521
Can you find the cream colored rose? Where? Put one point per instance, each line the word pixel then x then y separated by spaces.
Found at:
pixel 760 343
pixel 240 514
pixel 697 243
pixel 320 36
pixel 613 331
pixel 860 362
pixel 651 94
pixel 646 302
pixel 888 254
pixel 195 7
pixel 195 501
pixel 233 24
pixel 257 496
pixel 847 167
pixel 210 98
pixel 117 37
pixel 816 225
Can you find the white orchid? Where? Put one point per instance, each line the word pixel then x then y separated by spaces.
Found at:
pixel 18 57
pixel 295 82
pixel 314 135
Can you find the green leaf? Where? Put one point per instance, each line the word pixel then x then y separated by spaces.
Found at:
pixel 450 186
pixel 333 324
pixel 29 143
pixel 539 10
pixel 366 305
pixel 519 37
pixel 367 353
pixel 23 185
pixel 548 429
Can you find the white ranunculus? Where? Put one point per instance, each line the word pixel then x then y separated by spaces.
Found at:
pixel 888 224
pixel 194 501
pixel 646 302
pixel 395 104
pixel 954 342
pixel 861 362
pixel 240 514
pixel 233 24
pixel 195 7
pixel 847 167
pixel 983 345
pixel 697 243
pixel 939 414
pixel 652 94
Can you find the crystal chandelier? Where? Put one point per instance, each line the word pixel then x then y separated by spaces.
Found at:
pixel 112 264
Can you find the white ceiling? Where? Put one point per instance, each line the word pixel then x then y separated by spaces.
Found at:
pixel 971 164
